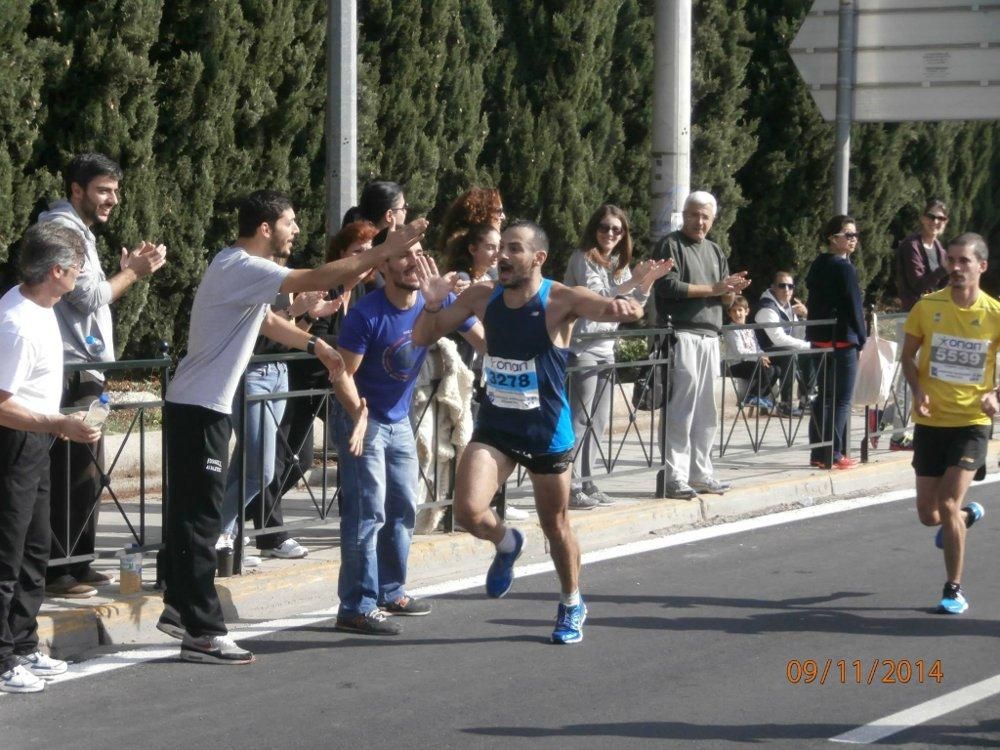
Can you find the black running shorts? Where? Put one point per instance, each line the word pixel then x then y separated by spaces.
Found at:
pixel 937 448
pixel 535 463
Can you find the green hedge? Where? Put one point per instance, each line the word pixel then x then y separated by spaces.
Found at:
pixel 203 101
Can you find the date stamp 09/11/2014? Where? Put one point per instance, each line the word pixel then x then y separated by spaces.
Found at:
pixel 863 672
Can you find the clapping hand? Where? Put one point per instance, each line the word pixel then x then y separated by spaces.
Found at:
pixel 146 259
pixel 305 301
pixel 648 271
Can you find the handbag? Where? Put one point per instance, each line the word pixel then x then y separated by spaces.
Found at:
pixel 876 367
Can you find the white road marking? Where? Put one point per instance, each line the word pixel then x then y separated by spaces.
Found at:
pixel 911 717
pixel 144 654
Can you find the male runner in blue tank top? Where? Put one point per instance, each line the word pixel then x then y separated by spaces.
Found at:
pixel 525 417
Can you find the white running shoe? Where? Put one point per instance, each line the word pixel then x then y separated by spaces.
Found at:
pixel 287 550
pixel 20 680
pixel 43 665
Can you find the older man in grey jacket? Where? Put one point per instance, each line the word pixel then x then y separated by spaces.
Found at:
pixel 693 295
pixel 84 316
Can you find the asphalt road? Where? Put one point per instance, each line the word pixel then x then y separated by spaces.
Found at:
pixel 687 646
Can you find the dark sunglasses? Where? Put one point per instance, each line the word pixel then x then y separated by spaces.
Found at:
pixel 847 235
pixel 936 217
pixel 608 229
pixel 404 207
pixel 785 286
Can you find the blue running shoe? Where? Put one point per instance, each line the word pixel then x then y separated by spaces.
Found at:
pixel 569 623
pixel 952 600
pixel 500 576
pixel 973 512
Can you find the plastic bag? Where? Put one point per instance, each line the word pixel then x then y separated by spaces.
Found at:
pixel 876 367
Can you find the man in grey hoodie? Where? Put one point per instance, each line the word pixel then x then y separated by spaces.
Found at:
pixel 84 317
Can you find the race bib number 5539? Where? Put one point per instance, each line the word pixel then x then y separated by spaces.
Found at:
pixel 511 383
pixel 958 360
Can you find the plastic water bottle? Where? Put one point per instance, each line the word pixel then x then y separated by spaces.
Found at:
pixel 130 570
pixel 98 412
pixel 95 346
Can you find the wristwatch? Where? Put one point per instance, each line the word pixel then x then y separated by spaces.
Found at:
pixel 311 345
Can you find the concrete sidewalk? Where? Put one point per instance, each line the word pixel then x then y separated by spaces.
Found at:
pixel 777 479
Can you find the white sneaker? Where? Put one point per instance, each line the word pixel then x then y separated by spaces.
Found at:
pixel 214 649
pixel 288 550
pixel 42 665
pixel 20 680
pixel 251 561
pixel 513 513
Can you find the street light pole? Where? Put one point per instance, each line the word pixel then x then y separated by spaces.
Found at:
pixel 341 111
pixel 846 36
pixel 671 114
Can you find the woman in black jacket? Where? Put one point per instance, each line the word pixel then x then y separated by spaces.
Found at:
pixel 834 292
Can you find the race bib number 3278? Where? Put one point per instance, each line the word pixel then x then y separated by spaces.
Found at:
pixel 511 383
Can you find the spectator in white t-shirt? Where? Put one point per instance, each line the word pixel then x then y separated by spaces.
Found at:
pixel 31 374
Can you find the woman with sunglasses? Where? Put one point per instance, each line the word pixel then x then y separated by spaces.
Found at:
pixel 381 202
pixel 601 265
pixel 920 266
pixel 920 269
pixel 834 292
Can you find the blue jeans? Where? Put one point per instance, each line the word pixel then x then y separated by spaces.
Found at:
pixel 832 406
pixel 270 377
pixel 378 509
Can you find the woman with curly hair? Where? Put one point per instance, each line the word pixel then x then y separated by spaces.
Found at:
pixel 475 206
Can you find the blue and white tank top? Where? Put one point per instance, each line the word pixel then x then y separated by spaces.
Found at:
pixel 524 376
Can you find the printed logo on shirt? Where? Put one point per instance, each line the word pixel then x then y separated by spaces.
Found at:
pixel 214 465
pixel 974 322
pixel 937 317
pixel 400 358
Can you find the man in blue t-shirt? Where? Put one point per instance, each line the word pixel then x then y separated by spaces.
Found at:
pixel 376 448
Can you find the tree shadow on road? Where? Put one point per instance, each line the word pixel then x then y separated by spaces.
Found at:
pixel 947 735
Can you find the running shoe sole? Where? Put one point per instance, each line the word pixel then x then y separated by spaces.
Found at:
pixel 208 657
pixel 952 606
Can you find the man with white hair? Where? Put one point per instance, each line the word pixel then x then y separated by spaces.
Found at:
pixel 31 372
pixel 693 295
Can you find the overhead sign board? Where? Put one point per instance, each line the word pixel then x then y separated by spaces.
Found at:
pixel 914 59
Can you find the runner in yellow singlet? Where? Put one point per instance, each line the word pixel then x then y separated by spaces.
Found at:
pixel 949 359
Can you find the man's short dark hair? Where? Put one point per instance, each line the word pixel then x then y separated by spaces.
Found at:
pixel 539 239
pixel 975 242
pixel 85 167
pixel 261 207
pixel 47 245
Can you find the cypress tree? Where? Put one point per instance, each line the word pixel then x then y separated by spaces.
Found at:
pixel 554 135
pixel 28 63
pixel 788 179
pixel 722 136
pixel 201 55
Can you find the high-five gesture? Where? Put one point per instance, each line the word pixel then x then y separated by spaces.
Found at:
pixel 434 287
pixel 401 238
